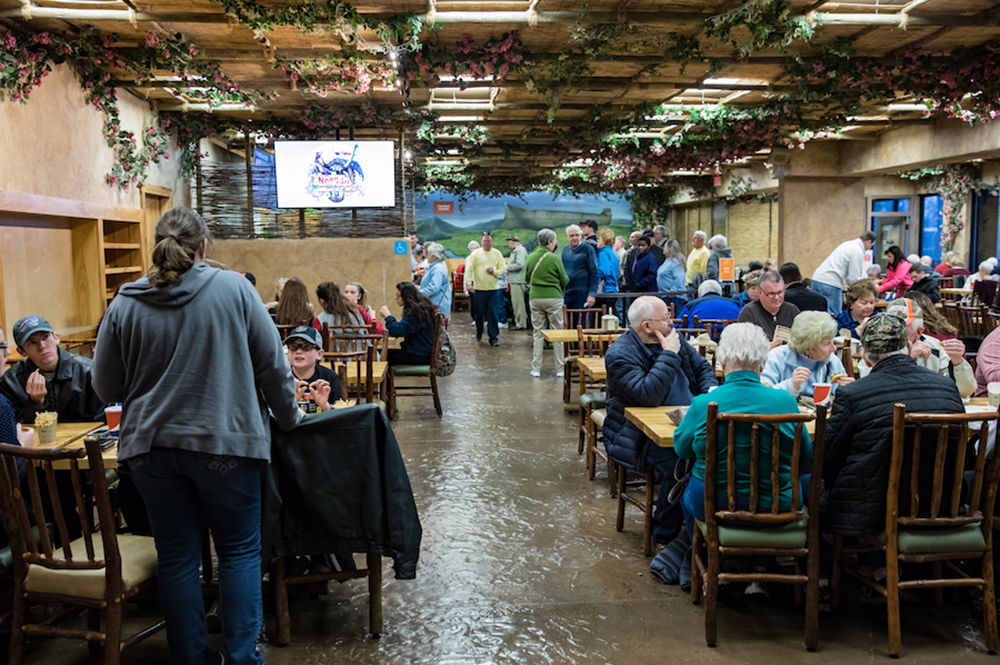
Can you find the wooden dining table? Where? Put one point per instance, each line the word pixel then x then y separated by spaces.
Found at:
pixel 70 435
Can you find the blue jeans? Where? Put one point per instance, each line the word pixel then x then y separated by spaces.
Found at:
pixel 834 297
pixel 484 309
pixel 184 492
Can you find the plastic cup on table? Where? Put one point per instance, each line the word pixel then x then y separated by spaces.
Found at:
pixel 993 391
pixel 821 393
pixel 113 414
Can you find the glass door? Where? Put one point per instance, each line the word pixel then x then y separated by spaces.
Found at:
pixel 890 221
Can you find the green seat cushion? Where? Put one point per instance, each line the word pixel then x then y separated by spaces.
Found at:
pixel 411 370
pixel 965 538
pixel 786 536
pixel 597 417
pixel 595 399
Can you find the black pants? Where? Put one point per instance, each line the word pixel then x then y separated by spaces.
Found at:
pixel 400 357
pixel 484 310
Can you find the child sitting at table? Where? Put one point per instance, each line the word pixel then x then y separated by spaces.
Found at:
pixel 316 386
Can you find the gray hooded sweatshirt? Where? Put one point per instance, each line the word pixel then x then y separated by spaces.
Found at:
pixel 194 365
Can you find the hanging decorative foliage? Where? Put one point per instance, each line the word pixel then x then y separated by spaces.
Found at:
pixel 464 62
pixel 769 23
pixel 353 71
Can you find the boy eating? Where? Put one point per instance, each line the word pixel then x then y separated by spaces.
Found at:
pixel 316 386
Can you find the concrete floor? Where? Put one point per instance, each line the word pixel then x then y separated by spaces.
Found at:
pixel 521 563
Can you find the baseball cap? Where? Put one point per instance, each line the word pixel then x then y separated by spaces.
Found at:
pixel 308 333
pixel 28 326
pixel 591 223
pixel 884 333
pixel 908 309
pixel 514 238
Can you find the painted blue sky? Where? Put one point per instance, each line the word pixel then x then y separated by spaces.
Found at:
pixel 483 209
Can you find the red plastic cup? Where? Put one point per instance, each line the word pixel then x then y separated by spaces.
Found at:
pixel 113 414
pixel 821 393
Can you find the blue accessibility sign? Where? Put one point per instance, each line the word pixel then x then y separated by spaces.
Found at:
pixel 401 247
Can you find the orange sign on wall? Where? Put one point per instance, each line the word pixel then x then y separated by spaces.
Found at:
pixel 444 207
pixel 727 270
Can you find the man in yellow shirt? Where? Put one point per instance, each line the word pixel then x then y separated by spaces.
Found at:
pixel 698 258
pixel 485 265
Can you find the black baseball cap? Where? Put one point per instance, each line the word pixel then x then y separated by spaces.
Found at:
pixel 308 333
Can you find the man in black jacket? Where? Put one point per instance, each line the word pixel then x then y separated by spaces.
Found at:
pixel 651 365
pixel 49 378
pixel 798 293
pixel 859 432
pixel 924 283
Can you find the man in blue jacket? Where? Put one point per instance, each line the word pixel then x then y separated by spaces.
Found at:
pixel 580 261
pixel 651 365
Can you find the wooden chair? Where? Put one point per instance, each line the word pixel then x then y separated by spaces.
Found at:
pixel 329 333
pixel 949 309
pixel 847 358
pixel 573 319
pixel 940 501
pixel 646 480
pixel 592 343
pixel 974 321
pixel 946 282
pixel 360 364
pixel 714 326
pixel 430 371
pixel 785 533
pixel 100 570
pixel 280 581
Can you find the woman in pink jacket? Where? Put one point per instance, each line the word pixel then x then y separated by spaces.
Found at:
pixel 897 277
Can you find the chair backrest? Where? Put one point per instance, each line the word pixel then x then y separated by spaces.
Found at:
pixel 37 525
pixel 329 333
pixel 594 342
pixel 847 358
pixel 362 362
pixel 946 282
pixel 942 472
pixel 83 346
pixel 587 317
pixel 973 320
pixel 749 431
pixel 950 310
pixel 715 326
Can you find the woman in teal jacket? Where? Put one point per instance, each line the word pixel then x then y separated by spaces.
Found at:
pixel 742 351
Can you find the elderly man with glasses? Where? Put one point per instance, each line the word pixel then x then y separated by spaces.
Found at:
pixel 49 378
pixel 651 365
pixel 771 310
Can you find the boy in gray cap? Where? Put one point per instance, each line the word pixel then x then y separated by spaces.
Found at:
pixel 859 431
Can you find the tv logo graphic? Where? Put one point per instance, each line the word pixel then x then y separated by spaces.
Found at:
pixel 337 177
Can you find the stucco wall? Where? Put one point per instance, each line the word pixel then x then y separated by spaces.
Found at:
pixel 817 214
pixel 753 230
pixel 53 145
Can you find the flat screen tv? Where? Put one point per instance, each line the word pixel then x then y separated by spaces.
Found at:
pixel 335 174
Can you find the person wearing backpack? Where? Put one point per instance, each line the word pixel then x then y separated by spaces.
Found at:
pixel 547 278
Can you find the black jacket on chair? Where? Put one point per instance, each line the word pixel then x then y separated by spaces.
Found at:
pixel 859 440
pixel 342 487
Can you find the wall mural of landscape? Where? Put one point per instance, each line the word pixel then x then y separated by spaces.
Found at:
pixel 522 216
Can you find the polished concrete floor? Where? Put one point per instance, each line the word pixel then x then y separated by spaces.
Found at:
pixel 521 563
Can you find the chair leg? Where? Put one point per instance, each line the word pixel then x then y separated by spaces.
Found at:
pixel 696 572
pixel 113 618
pixel 612 477
pixel 582 418
pixel 938 569
pixel 279 586
pixel 434 392
pixel 391 388
pixel 712 596
pixel 989 605
pixel 892 604
pixel 94 624
pixel 374 563
pixel 647 515
pixel 620 521
pixel 15 653
pixel 589 441
pixel 812 601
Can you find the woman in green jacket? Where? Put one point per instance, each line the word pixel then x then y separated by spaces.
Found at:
pixel 547 278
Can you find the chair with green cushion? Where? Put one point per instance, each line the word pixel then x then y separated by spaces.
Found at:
pixel 591 343
pixel 940 499
pixel 430 371
pixel 594 430
pixel 759 526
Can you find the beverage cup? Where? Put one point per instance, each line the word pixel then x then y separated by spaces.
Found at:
pixel 993 391
pixel 47 434
pixel 821 393
pixel 113 414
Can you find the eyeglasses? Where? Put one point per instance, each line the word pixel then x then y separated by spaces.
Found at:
pixel 302 346
pixel 773 294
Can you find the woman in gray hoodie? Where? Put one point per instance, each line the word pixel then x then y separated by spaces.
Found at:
pixel 195 359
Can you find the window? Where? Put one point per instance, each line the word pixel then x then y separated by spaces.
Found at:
pixel 889 219
pixel 930 227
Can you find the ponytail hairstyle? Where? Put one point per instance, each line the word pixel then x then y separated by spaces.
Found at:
pixel 293 308
pixel 179 232
pixel 416 303
pixel 336 304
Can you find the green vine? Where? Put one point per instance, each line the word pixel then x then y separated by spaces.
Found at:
pixel 769 23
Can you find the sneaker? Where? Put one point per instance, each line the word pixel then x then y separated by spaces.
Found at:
pixel 502 325
pixel 560 374
pixel 495 342
pixel 755 589
pixel 535 374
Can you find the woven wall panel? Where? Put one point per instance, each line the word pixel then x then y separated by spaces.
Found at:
pixel 224 207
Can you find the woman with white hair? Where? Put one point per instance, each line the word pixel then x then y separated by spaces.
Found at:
pixel 718 248
pixel 436 283
pixel 808 358
pixel 984 274
pixel 742 350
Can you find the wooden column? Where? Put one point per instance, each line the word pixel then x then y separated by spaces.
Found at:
pixel 248 148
